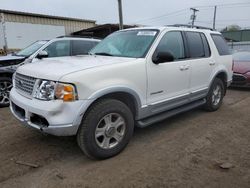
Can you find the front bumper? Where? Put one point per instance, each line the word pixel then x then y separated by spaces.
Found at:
pixel 52 117
pixel 241 80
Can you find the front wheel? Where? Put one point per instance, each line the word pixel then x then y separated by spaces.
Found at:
pixel 106 129
pixel 5 87
pixel 215 95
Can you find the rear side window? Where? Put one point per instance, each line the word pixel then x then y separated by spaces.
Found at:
pixel 195 44
pixel 221 44
pixel 81 47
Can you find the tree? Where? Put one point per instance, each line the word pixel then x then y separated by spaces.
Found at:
pixel 231 28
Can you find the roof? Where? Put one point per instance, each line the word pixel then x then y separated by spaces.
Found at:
pixel 105 26
pixel 44 16
pixel 101 31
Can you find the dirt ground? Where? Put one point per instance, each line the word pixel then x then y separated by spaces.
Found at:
pixel 184 151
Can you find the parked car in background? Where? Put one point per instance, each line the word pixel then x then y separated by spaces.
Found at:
pixel 241 69
pixel 134 77
pixel 59 47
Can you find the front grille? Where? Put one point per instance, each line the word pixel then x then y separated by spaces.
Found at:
pixel 24 84
pixel 238 78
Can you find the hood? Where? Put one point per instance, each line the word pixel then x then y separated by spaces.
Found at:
pixel 10 60
pixel 241 67
pixel 55 68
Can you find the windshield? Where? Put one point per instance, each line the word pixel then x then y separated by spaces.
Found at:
pixel 26 52
pixel 133 43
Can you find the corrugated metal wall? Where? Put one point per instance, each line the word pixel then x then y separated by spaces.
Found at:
pixel 70 25
pixel 239 46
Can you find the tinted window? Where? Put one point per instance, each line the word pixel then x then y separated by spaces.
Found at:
pixel 195 44
pixel 221 45
pixel 172 42
pixel 81 47
pixel 58 48
pixel 206 46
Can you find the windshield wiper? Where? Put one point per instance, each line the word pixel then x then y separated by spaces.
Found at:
pixel 103 53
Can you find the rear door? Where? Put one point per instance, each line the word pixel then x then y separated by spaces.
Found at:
pixel 201 62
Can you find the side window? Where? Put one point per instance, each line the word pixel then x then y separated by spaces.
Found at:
pixel 195 45
pixel 206 45
pixel 81 47
pixel 172 42
pixel 221 44
pixel 58 48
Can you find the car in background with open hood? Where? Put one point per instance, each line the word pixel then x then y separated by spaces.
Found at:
pixel 59 47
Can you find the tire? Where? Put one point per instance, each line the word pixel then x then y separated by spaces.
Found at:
pixel 100 139
pixel 5 87
pixel 215 95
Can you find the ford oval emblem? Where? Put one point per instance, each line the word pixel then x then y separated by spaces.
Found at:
pixel 20 82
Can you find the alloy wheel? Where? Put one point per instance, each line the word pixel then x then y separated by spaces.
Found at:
pixel 110 131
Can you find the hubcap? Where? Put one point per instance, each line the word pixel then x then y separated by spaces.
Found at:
pixel 216 96
pixel 110 131
pixel 5 88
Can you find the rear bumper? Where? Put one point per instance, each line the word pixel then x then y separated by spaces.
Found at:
pixel 52 117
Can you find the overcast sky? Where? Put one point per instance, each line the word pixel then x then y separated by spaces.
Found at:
pixel 147 12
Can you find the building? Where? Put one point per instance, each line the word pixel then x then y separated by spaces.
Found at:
pixel 101 31
pixel 238 40
pixel 237 36
pixel 19 29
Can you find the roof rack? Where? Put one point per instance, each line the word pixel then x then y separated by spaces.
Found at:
pixel 190 26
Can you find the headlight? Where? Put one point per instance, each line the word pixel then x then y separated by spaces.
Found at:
pixel 45 90
pixel 50 90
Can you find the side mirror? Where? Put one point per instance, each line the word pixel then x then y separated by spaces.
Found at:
pixel 162 57
pixel 42 54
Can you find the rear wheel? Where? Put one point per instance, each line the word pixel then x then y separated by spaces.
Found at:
pixel 5 87
pixel 106 129
pixel 215 95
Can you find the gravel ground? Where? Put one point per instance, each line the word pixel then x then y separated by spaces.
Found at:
pixel 187 150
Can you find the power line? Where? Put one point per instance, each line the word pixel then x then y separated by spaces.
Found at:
pixel 164 15
pixel 206 7
pixel 221 5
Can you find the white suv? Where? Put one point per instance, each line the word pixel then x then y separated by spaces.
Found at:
pixel 134 77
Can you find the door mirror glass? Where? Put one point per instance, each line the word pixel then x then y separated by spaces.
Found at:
pixel 163 57
pixel 42 54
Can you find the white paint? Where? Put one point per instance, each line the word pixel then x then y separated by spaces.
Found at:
pixel 20 35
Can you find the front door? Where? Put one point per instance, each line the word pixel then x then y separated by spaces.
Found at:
pixel 168 82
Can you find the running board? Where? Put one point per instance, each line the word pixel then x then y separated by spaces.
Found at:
pixel 159 117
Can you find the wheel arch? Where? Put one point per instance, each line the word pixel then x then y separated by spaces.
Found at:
pixel 223 76
pixel 126 95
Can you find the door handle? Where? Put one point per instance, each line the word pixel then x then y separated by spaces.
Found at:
pixel 212 63
pixel 184 67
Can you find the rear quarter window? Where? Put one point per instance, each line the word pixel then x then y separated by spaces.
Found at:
pixel 221 44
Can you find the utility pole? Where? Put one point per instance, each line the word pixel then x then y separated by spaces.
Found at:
pixel 193 16
pixel 120 14
pixel 215 11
